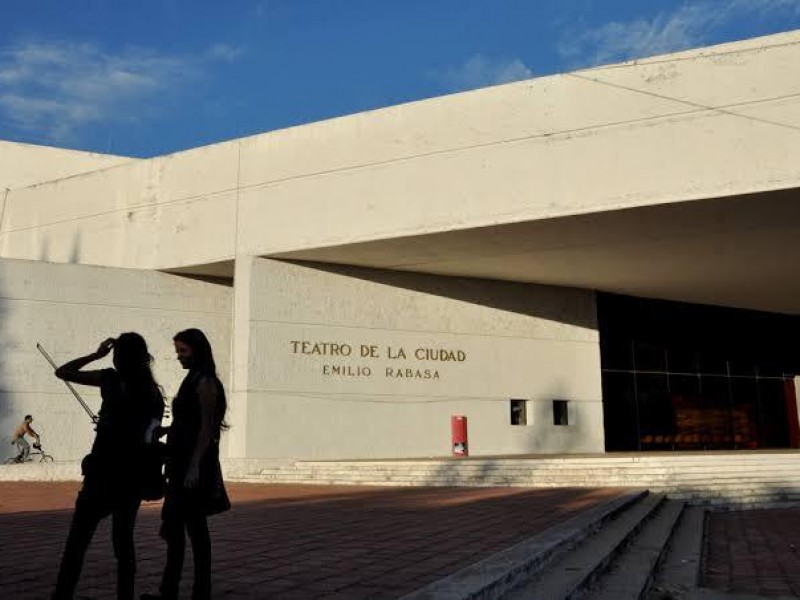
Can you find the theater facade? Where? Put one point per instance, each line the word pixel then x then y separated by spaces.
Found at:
pixel 602 260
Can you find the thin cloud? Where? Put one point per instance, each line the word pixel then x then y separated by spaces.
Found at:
pixel 686 27
pixel 224 52
pixel 767 7
pixel 54 89
pixel 262 9
pixel 479 71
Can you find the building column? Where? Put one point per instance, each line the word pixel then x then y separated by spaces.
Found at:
pixel 240 354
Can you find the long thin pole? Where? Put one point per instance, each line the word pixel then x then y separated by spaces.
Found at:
pixel 69 385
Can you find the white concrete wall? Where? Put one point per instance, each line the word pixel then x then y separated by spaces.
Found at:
pixel 520 341
pixel 69 309
pixel 22 165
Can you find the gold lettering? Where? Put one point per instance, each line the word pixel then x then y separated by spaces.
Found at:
pixel 369 351
pixel 440 354
pixel 321 348
pixel 399 353
pixel 346 371
pixel 425 374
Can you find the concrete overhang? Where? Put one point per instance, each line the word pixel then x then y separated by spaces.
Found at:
pixel 217 272
pixel 674 176
pixel 738 251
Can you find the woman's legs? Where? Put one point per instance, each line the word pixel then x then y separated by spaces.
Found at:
pixel 88 512
pixel 197 527
pixel 124 520
pixel 173 533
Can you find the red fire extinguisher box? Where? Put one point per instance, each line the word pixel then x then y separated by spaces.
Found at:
pixel 458 435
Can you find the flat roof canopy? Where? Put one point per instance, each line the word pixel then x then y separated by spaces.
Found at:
pixel 737 251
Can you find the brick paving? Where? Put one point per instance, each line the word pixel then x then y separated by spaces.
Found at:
pixel 291 542
pixel 753 552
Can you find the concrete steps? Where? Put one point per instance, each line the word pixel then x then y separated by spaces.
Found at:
pixel 735 478
pixel 619 562
pixel 500 574
pixel 679 573
pixel 575 572
pixel 611 552
pixel 632 573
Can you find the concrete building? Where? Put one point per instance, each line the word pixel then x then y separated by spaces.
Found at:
pixel 598 260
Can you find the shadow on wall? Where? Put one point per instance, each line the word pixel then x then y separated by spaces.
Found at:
pixel 73 256
pixel 5 402
pixel 559 304
pixel 44 250
pixel 18 348
pixel 569 307
pixel 6 416
pixel 75 249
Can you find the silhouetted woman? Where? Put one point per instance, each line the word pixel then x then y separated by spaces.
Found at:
pixel 195 488
pixel 132 405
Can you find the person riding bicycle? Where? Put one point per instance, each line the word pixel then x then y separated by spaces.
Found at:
pixel 18 438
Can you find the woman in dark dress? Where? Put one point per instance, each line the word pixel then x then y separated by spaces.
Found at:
pixel 195 488
pixel 132 406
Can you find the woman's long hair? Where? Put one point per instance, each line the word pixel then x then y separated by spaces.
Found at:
pixel 133 363
pixel 202 357
pixel 203 363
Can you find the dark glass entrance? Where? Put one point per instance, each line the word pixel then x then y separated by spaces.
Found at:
pixel 684 376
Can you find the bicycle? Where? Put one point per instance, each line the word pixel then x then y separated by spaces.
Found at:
pixel 37 451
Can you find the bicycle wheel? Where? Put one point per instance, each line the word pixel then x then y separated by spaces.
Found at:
pixel 46 458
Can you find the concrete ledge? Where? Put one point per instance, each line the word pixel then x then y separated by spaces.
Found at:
pixel 750 479
pixel 241 469
pixel 233 469
pixel 34 471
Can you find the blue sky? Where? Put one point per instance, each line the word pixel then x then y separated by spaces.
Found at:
pixel 146 78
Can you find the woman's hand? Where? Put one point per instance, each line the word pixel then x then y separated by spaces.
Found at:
pixel 192 478
pixel 72 371
pixel 105 347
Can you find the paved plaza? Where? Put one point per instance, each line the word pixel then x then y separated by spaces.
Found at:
pixel 291 542
pixel 352 542
pixel 753 552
